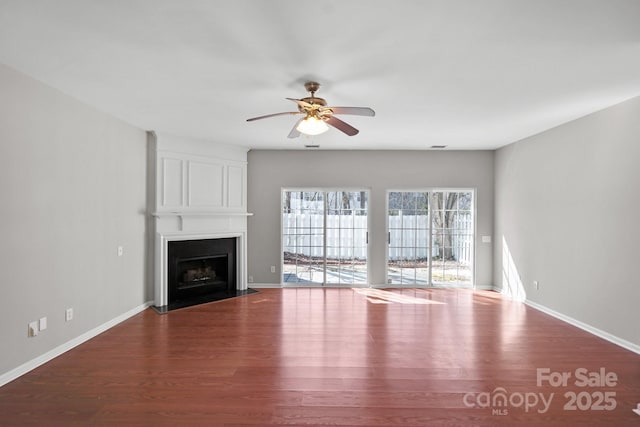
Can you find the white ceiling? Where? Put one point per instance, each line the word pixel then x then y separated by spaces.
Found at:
pixel 470 74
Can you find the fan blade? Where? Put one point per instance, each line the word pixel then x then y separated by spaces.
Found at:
pixel 273 115
pixel 341 126
pixel 294 131
pixel 356 111
pixel 302 104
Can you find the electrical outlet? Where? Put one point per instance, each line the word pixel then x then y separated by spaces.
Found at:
pixel 42 323
pixel 120 250
pixel 273 268
pixel 33 329
pixel 68 314
pixel 536 284
pixel 250 279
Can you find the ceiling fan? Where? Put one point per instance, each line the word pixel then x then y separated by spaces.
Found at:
pixel 317 115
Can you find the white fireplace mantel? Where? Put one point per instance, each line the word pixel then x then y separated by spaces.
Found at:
pixel 185 221
pixel 200 214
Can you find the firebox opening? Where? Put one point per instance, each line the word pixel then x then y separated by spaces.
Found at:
pixel 198 269
pixel 202 271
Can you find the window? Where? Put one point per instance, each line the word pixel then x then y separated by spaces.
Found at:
pixel 324 237
pixel 430 238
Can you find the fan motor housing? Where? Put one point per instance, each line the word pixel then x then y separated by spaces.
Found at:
pixel 313 101
pixel 312 86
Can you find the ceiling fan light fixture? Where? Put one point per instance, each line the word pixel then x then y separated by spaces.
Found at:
pixel 318 116
pixel 312 126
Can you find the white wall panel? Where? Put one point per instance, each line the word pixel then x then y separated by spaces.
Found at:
pixel 172 183
pixel 236 184
pixel 192 182
pixel 206 185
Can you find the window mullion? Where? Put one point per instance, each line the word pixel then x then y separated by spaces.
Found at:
pixel 324 240
pixel 430 249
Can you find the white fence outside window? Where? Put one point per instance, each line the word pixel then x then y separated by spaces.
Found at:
pixel 347 234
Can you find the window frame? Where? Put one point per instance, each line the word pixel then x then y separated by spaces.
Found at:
pixel 325 191
pixel 430 191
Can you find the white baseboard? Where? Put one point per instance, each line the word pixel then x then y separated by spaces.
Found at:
pixel 314 285
pixel 595 331
pixel 44 358
pixel 264 285
pixel 303 285
pixel 344 285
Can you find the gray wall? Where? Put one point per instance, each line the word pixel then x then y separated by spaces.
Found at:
pixel 378 171
pixel 72 185
pixel 567 205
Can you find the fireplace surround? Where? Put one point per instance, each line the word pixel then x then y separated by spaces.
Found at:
pixel 164 270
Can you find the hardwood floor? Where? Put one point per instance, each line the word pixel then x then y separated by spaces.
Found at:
pixel 339 357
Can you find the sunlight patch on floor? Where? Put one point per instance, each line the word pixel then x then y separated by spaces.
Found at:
pixel 380 296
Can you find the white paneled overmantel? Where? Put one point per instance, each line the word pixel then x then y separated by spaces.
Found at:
pixel 200 183
pixel 201 193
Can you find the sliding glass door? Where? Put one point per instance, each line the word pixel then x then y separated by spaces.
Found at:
pixel 430 238
pixel 409 238
pixel 346 237
pixel 324 237
pixel 303 236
